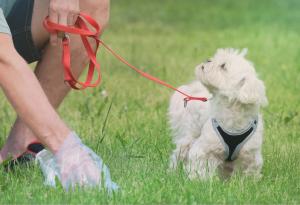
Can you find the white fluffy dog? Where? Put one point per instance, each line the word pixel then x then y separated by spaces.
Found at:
pixel 223 135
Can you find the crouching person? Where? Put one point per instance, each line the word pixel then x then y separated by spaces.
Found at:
pixel 36 95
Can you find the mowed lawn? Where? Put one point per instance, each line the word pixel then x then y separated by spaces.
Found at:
pixel 129 128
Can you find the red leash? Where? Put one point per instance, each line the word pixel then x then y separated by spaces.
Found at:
pixel 82 29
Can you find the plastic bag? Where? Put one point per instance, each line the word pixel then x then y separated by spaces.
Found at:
pixel 75 165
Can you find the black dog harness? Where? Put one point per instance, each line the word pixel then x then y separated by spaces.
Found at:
pixel 234 141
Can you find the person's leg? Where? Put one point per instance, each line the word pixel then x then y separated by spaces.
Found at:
pixel 27 97
pixel 74 164
pixel 49 70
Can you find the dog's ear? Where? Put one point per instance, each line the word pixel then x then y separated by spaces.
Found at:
pixel 252 91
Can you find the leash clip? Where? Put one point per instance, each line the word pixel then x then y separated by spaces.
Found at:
pixel 185 102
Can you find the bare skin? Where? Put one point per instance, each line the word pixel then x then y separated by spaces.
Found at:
pixel 49 70
pixel 24 92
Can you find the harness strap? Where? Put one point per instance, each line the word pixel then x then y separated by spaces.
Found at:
pixel 81 28
pixel 233 142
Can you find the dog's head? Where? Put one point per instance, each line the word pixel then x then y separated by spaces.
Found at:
pixel 228 73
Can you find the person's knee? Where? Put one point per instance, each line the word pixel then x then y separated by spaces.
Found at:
pixel 79 56
pixel 99 10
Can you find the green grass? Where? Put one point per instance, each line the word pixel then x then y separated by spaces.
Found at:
pixel 168 38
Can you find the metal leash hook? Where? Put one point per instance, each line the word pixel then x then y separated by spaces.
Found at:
pixel 185 102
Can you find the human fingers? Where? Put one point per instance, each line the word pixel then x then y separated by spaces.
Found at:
pixel 53 17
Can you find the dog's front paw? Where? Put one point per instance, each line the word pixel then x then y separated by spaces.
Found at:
pixel 201 168
pixel 256 174
pixel 180 153
pixel 198 171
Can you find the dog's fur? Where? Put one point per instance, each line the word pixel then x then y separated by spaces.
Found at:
pixel 237 95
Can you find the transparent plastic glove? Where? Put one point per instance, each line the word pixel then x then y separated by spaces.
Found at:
pixel 76 165
pixel 47 164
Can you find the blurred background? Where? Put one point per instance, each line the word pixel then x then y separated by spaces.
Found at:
pixel 125 119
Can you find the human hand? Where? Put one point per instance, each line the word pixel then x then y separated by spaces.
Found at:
pixel 64 12
pixel 75 165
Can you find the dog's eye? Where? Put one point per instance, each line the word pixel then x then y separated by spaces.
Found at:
pixel 208 61
pixel 223 66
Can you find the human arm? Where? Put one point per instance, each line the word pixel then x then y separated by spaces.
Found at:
pixel 27 97
pixel 74 163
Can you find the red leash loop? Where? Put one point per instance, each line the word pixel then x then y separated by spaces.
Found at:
pixel 81 28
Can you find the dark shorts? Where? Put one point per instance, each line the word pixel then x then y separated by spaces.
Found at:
pixel 19 22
